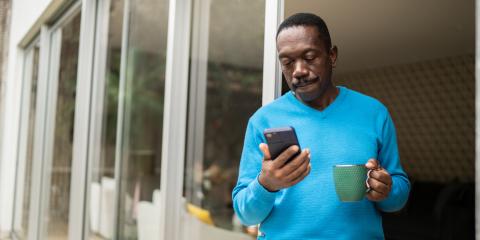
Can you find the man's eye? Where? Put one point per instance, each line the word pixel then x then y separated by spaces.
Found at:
pixel 309 58
pixel 286 63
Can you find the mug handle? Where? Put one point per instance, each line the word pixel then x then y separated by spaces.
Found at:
pixel 366 181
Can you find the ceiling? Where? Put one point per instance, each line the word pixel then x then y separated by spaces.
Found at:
pixel 377 33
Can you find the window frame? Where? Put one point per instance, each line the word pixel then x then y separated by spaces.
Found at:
pixel 22 145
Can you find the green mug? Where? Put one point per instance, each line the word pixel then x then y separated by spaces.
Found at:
pixel 351 182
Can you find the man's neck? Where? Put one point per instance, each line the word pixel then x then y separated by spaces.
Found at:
pixel 325 99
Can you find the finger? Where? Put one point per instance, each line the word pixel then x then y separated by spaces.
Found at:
pixel 372 164
pixel 301 177
pixel 375 196
pixel 285 156
pixel 299 170
pixel 266 153
pixel 298 161
pixel 378 186
pixel 382 176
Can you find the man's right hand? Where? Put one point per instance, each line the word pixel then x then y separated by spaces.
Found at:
pixel 276 174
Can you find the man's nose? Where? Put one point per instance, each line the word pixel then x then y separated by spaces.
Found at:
pixel 300 69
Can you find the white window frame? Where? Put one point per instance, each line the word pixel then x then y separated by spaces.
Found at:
pixel 122 123
pixel 83 104
pixel 25 114
pixel 39 134
pixel 175 117
pixel 47 160
pixel 197 97
pixel 97 103
pixel 272 73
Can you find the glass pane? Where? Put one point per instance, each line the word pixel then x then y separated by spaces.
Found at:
pixel 25 161
pixel 139 212
pixel 60 172
pixel 233 93
pixel 102 188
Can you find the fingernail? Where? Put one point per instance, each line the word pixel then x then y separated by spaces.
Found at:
pixel 307 150
pixel 309 155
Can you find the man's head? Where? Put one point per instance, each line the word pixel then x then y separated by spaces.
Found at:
pixel 306 55
pixel 308 19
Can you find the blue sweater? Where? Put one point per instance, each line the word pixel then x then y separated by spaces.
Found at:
pixel 351 130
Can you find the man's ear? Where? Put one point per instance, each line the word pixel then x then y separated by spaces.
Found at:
pixel 333 56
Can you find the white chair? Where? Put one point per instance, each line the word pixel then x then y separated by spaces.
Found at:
pixel 95 198
pixel 148 218
pixel 107 207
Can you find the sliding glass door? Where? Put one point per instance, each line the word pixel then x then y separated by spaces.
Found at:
pixel 139 141
pixel 110 124
pixel 127 120
pixel 225 90
pixel 100 214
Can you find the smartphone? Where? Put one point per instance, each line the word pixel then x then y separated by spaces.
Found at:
pixel 279 139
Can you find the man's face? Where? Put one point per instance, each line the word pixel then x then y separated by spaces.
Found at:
pixel 306 61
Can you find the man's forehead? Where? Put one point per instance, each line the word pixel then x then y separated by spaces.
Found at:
pixel 298 35
pixel 299 29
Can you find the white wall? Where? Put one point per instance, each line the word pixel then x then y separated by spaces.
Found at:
pixel 24 14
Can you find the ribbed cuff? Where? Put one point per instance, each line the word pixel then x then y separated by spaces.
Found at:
pixel 397 198
pixel 260 192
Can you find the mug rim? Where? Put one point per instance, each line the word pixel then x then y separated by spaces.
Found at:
pixel 348 165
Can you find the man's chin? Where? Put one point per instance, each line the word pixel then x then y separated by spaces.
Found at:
pixel 306 96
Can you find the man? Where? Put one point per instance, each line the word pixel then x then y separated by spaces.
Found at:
pixel 334 125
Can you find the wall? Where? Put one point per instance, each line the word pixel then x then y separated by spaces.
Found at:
pixel 23 15
pixel 5 10
pixel 4 30
pixel 433 106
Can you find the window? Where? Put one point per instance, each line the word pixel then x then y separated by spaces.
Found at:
pixel 25 149
pixel 101 212
pixel 63 77
pixel 226 89
pixel 124 104
pixel 141 120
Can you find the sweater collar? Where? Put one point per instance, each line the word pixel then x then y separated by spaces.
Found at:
pixel 323 113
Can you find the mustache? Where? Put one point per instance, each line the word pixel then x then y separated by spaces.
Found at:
pixel 300 82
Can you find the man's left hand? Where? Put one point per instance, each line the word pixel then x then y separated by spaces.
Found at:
pixel 380 181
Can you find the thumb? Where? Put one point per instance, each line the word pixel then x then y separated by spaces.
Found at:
pixel 266 153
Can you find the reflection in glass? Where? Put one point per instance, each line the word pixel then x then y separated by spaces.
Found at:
pixel 60 171
pixel 26 161
pixel 233 93
pixel 139 210
pixel 102 187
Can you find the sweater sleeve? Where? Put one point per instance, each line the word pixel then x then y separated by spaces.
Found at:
pixel 389 159
pixel 251 201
